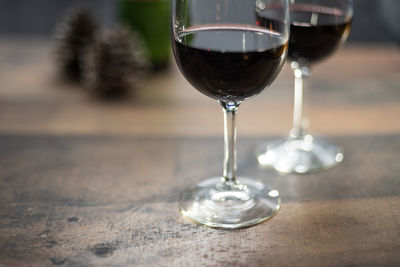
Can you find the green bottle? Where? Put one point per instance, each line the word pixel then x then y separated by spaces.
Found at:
pixel 151 18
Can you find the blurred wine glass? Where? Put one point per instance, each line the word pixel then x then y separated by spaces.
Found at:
pixel 317 29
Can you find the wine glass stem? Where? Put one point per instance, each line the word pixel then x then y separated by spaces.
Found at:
pixel 297 130
pixel 229 172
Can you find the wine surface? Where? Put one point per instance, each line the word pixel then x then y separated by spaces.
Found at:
pixel 229 62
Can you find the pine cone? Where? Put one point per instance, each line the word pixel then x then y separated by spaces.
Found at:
pixel 115 63
pixel 74 35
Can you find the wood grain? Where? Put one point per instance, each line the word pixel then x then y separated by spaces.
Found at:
pixel 84 201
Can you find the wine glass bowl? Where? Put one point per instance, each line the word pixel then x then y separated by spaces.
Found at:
pixel 224 52
pixel 317 29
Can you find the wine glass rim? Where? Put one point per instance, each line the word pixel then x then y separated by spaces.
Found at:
pixel 230 26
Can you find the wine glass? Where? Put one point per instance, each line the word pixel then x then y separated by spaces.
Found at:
pixel 226 53
pixel 317 29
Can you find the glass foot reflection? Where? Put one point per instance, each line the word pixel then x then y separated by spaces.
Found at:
pixel 305 155
pixel 232 205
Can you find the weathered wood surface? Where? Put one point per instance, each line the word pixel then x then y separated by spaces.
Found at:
pixel 88 183
pixel 112 201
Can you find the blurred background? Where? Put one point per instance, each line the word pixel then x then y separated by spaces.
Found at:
pixel 32 100
pixel 374 21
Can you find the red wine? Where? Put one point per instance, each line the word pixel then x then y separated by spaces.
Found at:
pixel 315 32
pixel 229 62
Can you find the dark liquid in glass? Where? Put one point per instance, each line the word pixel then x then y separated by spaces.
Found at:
pixel 228 63
pixel 315 32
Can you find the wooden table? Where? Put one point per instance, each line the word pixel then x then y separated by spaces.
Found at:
pixel 87 183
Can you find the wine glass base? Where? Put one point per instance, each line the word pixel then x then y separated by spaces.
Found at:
pixel 238 205
pixel 305 155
